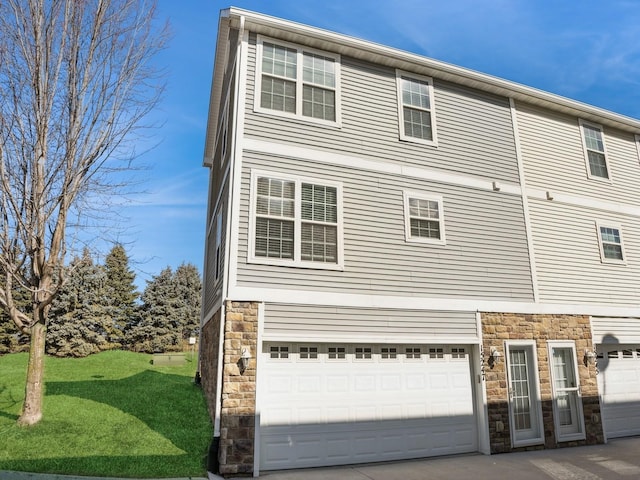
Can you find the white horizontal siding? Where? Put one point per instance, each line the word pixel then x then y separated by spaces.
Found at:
pixel 475 133
pixel 285 321
pixel 554 158
pixel 485 255
pixel 615 330
pixel 568 256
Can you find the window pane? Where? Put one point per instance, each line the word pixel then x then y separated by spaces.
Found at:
pixel 610 234
pixel 611 243
pixel 318 103
pixel 417 123
pixel 319 203
pixel 277 60
pixel 319 243
pixel 597 164
pixel 319 70
pixel 415 93
pixel 612 251
pixel 274 238
pixel 425 228
pixel 593 138
pixel 275 197
pixel 278 94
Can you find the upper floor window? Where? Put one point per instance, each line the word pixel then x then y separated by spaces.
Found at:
pixel 611 246
pixel 424 218
pixel 416 111
pixel 594 150
pixel 295 221
pixel 297 81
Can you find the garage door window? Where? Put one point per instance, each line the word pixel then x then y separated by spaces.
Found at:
pixel 389 353
pixel 308 353
pixel 363 353
pixel 413 353
pixel 280 351
pixel 436 353
pixel 337 353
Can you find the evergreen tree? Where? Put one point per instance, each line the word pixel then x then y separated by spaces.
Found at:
pixel 188 290
pixel 158 329
pixel 170 310
pixel 79 323
pixel 12 340
pixel 121 294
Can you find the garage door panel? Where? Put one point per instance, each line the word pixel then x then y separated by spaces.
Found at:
pixel 619 385
pixel 351 411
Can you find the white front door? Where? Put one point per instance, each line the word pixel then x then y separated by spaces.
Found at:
pixel 567 403
pixel 524 397
pixel 336 404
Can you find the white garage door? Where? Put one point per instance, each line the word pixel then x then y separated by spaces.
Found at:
pixel 619 385
pixel 340 404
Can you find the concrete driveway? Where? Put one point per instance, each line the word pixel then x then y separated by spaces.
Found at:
pixel 619 459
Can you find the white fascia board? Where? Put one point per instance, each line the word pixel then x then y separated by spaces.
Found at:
pixel 308 297
pixel 216 88
pixel 384 55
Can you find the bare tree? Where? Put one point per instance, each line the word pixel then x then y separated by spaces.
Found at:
pixel 76 83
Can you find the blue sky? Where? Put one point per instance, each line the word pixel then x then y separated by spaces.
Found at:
pixel 588 51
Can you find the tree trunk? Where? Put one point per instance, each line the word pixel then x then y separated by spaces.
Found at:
pixel 34 390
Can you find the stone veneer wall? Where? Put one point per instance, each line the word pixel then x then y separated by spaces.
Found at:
pixel 209 355
pixel 498 327
pixel 237 416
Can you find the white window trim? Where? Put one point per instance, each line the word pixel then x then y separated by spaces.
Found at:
pixel 299 82
pixel 223 135
pixel 296 262
pixel 407 218
pixel 218 245
pixel 551 344
pixel 429 81
pixel 618 227
pixel 585 151
pixel 637 139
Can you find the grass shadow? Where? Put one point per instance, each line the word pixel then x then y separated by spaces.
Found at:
pixel 164 402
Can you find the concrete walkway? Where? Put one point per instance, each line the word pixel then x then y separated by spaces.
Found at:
pixel 617 460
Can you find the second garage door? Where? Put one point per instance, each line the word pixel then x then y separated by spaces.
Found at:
pixel 619 385
pixel 339 404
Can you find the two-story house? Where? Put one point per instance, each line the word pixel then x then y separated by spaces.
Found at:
pixel 406 258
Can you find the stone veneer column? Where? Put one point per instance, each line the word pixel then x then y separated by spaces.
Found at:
pixel 237 416
pixel 498 327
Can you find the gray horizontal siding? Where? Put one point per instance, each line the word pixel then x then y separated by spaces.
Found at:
pixel 305 320
pixel 485 256
pixel 554 158
pixel 475 133
pixel 568 257
pixel 213 287
pixel 615 330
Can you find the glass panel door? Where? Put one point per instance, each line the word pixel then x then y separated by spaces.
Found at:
pixel 524 399
pixel 567 404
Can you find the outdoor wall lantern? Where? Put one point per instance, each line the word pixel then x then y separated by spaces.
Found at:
pixel 494 357
pixel 589 357
pixel 244 359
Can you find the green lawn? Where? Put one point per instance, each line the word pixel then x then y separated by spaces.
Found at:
pixel 110 414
